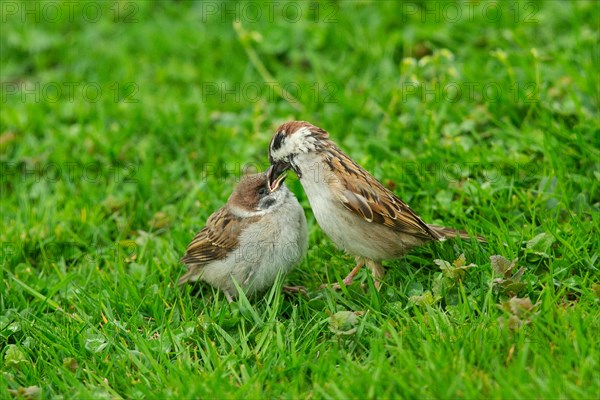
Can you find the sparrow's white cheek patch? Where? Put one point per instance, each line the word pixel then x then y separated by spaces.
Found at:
pixel 300 141
pixel 240 212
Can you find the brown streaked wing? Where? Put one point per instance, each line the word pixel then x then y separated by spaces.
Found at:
pixel 368 198
pixel 216 239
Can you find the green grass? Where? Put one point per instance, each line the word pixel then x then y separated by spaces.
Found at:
pixel 102 191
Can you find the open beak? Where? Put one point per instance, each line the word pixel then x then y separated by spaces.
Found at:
pixel 276 174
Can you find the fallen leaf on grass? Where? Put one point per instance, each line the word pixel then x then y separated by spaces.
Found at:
pixel 95 343
pixel 519 310
pixel 14 357
pixel 539 247
pixel 510 283
pixel 457 269
pixel 426 299
pixel 70 363
pixel 28 393
pixel 502 266
pixel 344 322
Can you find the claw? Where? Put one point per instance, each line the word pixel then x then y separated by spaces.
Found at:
pixel 295 289
pixel 348 280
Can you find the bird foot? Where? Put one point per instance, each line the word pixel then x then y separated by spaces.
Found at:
pixel 337 286
pixel 347 281
pixel 229 297
pixel 378 285
pixel 295 289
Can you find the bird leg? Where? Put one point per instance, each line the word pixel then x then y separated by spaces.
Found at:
pixel 228 296
pixel 377 271
pixel 347 281
pixel 350 278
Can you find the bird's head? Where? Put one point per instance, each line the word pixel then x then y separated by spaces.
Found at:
pixel 255 195
pixel 292 139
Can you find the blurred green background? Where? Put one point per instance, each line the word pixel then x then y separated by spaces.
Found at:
pixel 125 124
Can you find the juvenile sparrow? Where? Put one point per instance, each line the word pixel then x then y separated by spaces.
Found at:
pixel 354 209
pixel 260 232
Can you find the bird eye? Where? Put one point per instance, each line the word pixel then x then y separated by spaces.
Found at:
pixel 262 191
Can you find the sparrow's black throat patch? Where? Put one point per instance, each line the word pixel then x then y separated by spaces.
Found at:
pixel 267 203
pixel 295 167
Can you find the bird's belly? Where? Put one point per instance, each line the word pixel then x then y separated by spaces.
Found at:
pixel 275 246
pixel 337 222
pixel 344 230
pixel 350 232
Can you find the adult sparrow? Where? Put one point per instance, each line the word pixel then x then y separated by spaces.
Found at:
pixel 355 210
pixel 260 232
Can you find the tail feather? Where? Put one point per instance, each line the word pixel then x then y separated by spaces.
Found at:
pixel 448 233
pixel 192 275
